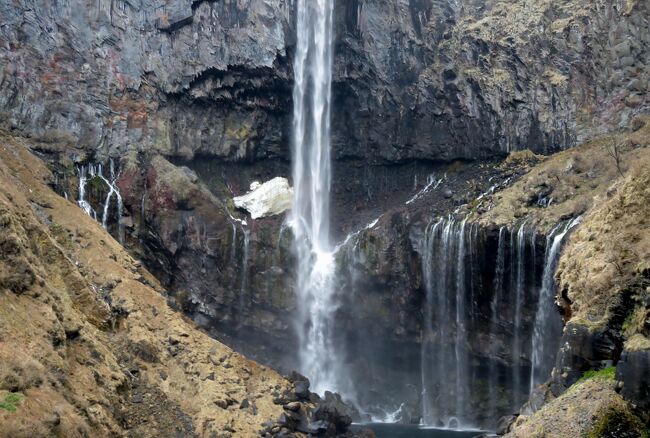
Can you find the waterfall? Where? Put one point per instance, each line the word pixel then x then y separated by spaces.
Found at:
pixel 461 334
pixel 445 391
pixel 499 272
pixel 243 289
pixel 82 202
pixel 233 246
pixel 548 325
pixel 312 179
pixel 96 171
pixel 427 251
pixel 519 279
pixel 432 184
pixel 112 191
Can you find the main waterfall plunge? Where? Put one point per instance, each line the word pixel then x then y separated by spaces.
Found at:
pixel 312 179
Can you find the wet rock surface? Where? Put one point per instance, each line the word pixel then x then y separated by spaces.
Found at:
pixel 632 370
pixel 307 413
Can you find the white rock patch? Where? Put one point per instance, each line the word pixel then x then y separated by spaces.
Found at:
pixel 268 199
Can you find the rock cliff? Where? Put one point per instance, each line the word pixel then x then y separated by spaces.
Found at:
pixel 190 100
pixel 90 348
pixel 425 79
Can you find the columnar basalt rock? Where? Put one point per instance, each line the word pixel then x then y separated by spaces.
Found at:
pixel 423 79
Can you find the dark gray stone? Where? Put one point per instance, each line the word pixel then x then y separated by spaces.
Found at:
pixel 634 371
pixel 505 424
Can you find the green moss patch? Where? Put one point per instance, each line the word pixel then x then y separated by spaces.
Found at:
pixel 11 401
pixel 617 423
pixel 605 374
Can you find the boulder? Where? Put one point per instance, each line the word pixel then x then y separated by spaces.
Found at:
pixel 504 425
pixel 632 370
pixel 333 410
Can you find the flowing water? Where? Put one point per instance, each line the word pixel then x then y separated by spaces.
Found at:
pixel 499 274
pixel 517 304
pixel 243 289
pixel 519 278
pixel 83 203
pixel 383 430
pixel 548 324
pixel 444 362
pixel 312 179
pixel 91 171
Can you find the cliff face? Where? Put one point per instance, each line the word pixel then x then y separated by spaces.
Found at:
pixel 413 79
pixel 192 102
pixel 474 78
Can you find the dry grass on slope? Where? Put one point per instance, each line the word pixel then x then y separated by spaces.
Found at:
pixel 87 345
pixel 572 181
pixel 610 251
pixel 589 409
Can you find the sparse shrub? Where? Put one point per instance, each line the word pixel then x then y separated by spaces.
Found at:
pixel 523 157
pixel 581 206
pixel 18 427
pixel 16 275
pixel 18 375
pixel 614 149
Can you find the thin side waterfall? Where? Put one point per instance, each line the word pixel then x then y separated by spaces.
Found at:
pixel 519 262
pixel 112 191
pixel 233 247
pixel 429 416
pixel 82 202
pixel 548 325
pixel 96 171
pixel 312 180
pixel 444 396
pixel 499 272
pixel 461 333
pixel 243 289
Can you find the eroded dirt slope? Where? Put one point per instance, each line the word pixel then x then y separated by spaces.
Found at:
pixel 88 346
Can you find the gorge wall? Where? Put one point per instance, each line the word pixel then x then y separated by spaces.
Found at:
pixel 192 101
pixel 423 79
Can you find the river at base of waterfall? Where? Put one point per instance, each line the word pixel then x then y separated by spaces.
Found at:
pixel 388 430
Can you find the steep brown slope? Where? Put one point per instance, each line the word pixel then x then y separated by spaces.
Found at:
pixel 88 347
